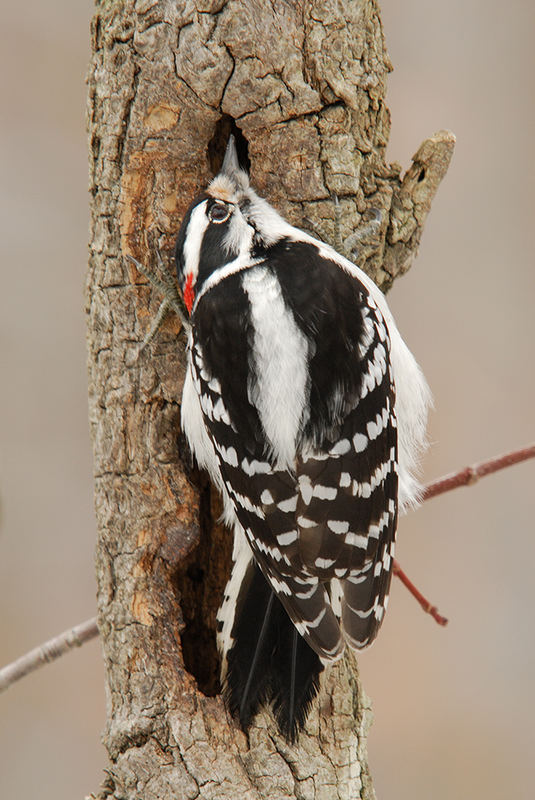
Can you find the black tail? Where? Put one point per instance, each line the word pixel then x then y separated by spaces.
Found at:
pixel 268 661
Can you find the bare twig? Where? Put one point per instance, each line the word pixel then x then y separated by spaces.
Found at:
pixel 49 651
pixel 80 634
pixel 425 604
pixel 470 475
pixel 465 477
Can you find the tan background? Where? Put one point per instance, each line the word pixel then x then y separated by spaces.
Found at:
pixel 454 707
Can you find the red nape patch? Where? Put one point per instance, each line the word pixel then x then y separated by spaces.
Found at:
pixel 189 294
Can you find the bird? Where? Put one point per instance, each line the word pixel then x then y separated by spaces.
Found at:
pixel 308 411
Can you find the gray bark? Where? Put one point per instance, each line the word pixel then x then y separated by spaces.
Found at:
pixel 305 82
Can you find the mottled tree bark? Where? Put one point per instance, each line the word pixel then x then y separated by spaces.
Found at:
pixel 305 84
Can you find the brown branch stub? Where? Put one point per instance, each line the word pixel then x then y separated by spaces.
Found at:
pixel 411 201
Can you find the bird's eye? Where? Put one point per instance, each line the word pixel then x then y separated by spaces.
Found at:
pixel 219 212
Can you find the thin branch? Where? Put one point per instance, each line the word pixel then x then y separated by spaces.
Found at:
pixel 80 634
pixel 470 475
pixel 465 477
pixel 47 652
pixel 424 602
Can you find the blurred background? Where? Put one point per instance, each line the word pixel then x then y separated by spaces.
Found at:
pixel 454 707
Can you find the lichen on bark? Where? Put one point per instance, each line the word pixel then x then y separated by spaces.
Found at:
pixel 304 83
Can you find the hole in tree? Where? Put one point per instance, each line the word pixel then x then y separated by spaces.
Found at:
pixel 421 176
pixel 199 585
pixel 218 144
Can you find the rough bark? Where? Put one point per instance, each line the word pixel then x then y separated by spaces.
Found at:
pixel 305 83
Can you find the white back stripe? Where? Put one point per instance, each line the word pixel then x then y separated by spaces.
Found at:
pixel 280 352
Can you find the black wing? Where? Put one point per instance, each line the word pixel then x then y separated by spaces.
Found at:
pixel 334 514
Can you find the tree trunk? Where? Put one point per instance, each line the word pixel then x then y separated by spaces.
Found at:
pixel 304 82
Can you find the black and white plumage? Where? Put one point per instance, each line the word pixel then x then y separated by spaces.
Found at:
pixel 308 411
